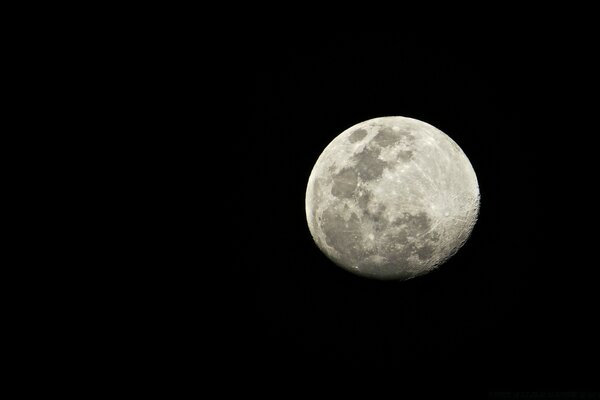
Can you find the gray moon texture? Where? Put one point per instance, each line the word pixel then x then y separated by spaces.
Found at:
pixel 391 198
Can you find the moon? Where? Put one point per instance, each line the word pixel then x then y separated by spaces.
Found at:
pixel 391 198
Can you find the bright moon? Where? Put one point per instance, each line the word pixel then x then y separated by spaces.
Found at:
pixel 391 198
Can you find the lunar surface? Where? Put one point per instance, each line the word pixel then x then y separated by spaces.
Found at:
pixel 391 198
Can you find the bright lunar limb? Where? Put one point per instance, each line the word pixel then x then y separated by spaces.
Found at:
pixel 391 198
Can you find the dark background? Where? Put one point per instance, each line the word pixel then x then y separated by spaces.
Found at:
pixel 514 309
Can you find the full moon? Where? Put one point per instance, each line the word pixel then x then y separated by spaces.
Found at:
pixel 391 198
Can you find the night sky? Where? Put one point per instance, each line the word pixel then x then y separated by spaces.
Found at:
pixel 512 310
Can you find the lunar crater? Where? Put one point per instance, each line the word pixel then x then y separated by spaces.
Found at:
pixel 344 183
pixel 368 164
pixel 388 136
pixel 357 135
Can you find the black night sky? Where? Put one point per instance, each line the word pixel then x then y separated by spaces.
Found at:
pixel 512 310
